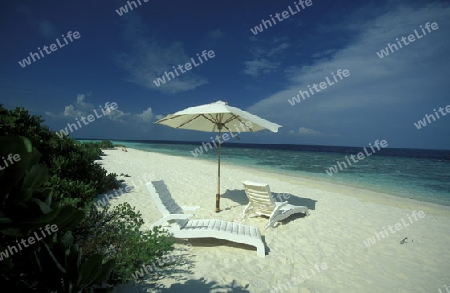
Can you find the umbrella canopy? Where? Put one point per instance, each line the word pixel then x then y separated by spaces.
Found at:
pixel 217 117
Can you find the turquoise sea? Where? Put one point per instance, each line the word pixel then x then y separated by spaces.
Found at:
pixel 411 173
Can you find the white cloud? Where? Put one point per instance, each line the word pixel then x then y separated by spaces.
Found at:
pixel 306 131
pixel 82 108
pixel 278 49
pixel 260 66
pixel 78 109
pixel 409 75
pixel 266 60
pixel 48 30
pixel 215 34
pixel 323 54
pixel 118 115
pixel 146 115
pixel 303 131
pixel 149 59
pixel 70 111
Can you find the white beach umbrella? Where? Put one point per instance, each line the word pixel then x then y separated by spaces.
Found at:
pixel 217 117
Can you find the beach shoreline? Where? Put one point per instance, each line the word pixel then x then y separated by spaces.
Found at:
pixel 341 219
pixel 368 194
pixel 385 175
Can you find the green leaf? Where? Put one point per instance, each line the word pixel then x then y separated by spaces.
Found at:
pixel 44 219
pixel 48 199
pixel 36 177
pixel 90 270
pixel 56 262
pixel 45 209
pixel 67 239
pixel 7 263
pixel 5 220
pixel 106 271
pixel 68 217
pixel 12 231
pixel 14 172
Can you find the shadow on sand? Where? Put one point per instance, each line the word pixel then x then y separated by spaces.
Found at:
pixel 238 196
pixel 181 283
pixel 188 286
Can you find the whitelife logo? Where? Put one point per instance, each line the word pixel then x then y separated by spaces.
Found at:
pixel 360 156
pixel 285 14
pixel 76 35
pixel 12 159
pixel 423 123
pixel 323 85
pixel 30 240
pixel 122 10
pixel 411 38
pixel 90 118
pixel 398 226
pixel 187 66
pixel 225 137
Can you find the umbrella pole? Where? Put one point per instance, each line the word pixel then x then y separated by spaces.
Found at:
pixel 218 178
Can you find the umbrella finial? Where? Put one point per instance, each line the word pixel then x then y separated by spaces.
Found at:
pixel 221 102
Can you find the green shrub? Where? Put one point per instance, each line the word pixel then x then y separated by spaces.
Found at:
pixel 106 144
pixel 118 236
pixel 65 157
pixel 51 263
pixel 59 187
pixel 71 192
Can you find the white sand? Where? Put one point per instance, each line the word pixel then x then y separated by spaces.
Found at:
pixel 341 218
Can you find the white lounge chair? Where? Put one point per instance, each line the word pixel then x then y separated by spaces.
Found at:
pixel 261 202
pixel 181 227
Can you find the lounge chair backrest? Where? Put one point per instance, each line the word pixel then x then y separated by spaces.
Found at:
pixel 260 197
pixel 164 201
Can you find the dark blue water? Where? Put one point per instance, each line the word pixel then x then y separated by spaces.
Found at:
pixel 411 173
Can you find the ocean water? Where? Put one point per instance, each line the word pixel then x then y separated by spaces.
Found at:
pixel 410 173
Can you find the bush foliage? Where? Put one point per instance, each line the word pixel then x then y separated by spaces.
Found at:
pixel 118 235
pixel 55 182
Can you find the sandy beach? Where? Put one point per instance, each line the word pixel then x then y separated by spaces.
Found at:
pixel 323 252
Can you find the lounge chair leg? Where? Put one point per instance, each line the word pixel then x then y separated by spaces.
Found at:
pixel 244 213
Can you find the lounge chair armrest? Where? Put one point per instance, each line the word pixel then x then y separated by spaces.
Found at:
pixel 279 205
pixel 275 214
pixel 190 208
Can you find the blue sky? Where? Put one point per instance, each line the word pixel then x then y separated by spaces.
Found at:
pixel 116 58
